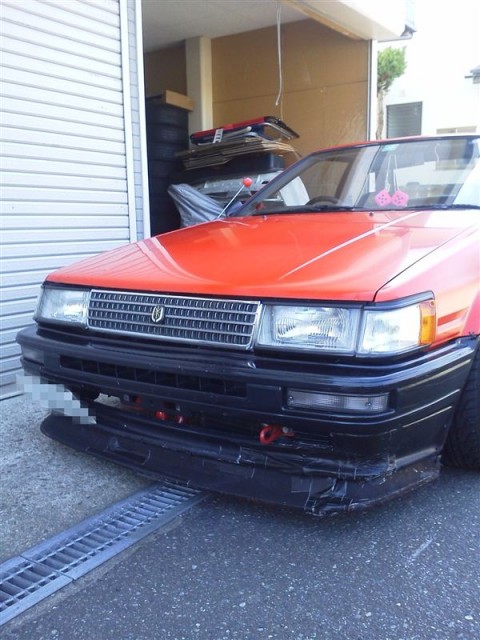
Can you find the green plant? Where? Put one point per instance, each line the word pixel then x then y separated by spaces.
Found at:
pixel 390 66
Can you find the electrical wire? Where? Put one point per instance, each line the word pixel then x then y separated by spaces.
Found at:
pixel 279 100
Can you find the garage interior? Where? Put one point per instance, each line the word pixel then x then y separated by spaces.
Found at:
pixel 305 63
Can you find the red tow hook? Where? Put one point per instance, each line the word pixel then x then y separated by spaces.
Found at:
pixel 271 432
pixel 163 416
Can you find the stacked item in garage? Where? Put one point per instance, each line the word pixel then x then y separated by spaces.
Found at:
pixel 167 134
pixel 251 137
pixel 219 160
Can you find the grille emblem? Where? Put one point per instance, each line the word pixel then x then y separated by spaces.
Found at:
pixel 158 314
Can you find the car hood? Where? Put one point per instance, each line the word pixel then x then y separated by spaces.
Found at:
pixel 342 256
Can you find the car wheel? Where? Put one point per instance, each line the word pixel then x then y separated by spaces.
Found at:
pixel 462 448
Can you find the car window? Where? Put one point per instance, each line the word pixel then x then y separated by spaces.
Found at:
pixel 410 173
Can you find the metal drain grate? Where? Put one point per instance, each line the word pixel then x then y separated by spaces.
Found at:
pixel 49 566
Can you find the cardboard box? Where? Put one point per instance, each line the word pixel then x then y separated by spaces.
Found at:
pixel 178 100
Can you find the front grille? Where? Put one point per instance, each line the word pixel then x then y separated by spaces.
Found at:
pixel 219 386
pixel 216 321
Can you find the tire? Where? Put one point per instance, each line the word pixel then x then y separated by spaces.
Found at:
pixel 164 215
pixel 160 113
pixel 169 135
pixel 462 447
pixel 158 186
pixel 164 151
pixel 163 168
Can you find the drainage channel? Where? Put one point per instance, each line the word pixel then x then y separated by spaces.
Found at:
pixel 42 570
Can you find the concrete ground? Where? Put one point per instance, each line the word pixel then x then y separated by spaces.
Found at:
pixel 46 487
pixel 238 569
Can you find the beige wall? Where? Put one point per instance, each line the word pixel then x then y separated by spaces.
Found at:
pixel 165 69
pixel 325 80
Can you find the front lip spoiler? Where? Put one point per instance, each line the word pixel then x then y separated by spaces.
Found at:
pixel 274 481
pixel 336 463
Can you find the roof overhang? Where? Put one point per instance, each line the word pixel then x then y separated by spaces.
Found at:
pixel 359 19
pixel 166 23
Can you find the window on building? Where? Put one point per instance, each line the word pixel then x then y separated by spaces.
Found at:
pixel 471 129
pixel 404 119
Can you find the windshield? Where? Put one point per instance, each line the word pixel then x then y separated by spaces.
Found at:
pixel 406 174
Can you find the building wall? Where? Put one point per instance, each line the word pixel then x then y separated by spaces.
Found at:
pixel 165 69
pixel 69 141
pixel 443 50
pixel 325 82
pixel 134 118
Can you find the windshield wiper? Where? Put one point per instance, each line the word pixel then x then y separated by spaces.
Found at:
pixel 461 206
pixel 307 208
pixel 443 207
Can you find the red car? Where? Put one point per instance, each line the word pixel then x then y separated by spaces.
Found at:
pixel 319 348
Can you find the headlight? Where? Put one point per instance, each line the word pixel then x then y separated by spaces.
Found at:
pixel 367 332
pixel 57 304
pixel 397 330
pixel 328 329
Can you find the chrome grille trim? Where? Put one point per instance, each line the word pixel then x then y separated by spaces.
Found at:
pixel 218 321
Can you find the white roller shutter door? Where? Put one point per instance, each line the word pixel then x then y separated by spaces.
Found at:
pixel 68 169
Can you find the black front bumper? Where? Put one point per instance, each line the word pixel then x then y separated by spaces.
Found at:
pixel 196 415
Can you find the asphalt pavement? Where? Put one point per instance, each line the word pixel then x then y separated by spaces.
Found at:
pixel 238 569
pixel 46 487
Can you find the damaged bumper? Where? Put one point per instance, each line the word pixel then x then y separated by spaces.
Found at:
pixel 226 421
